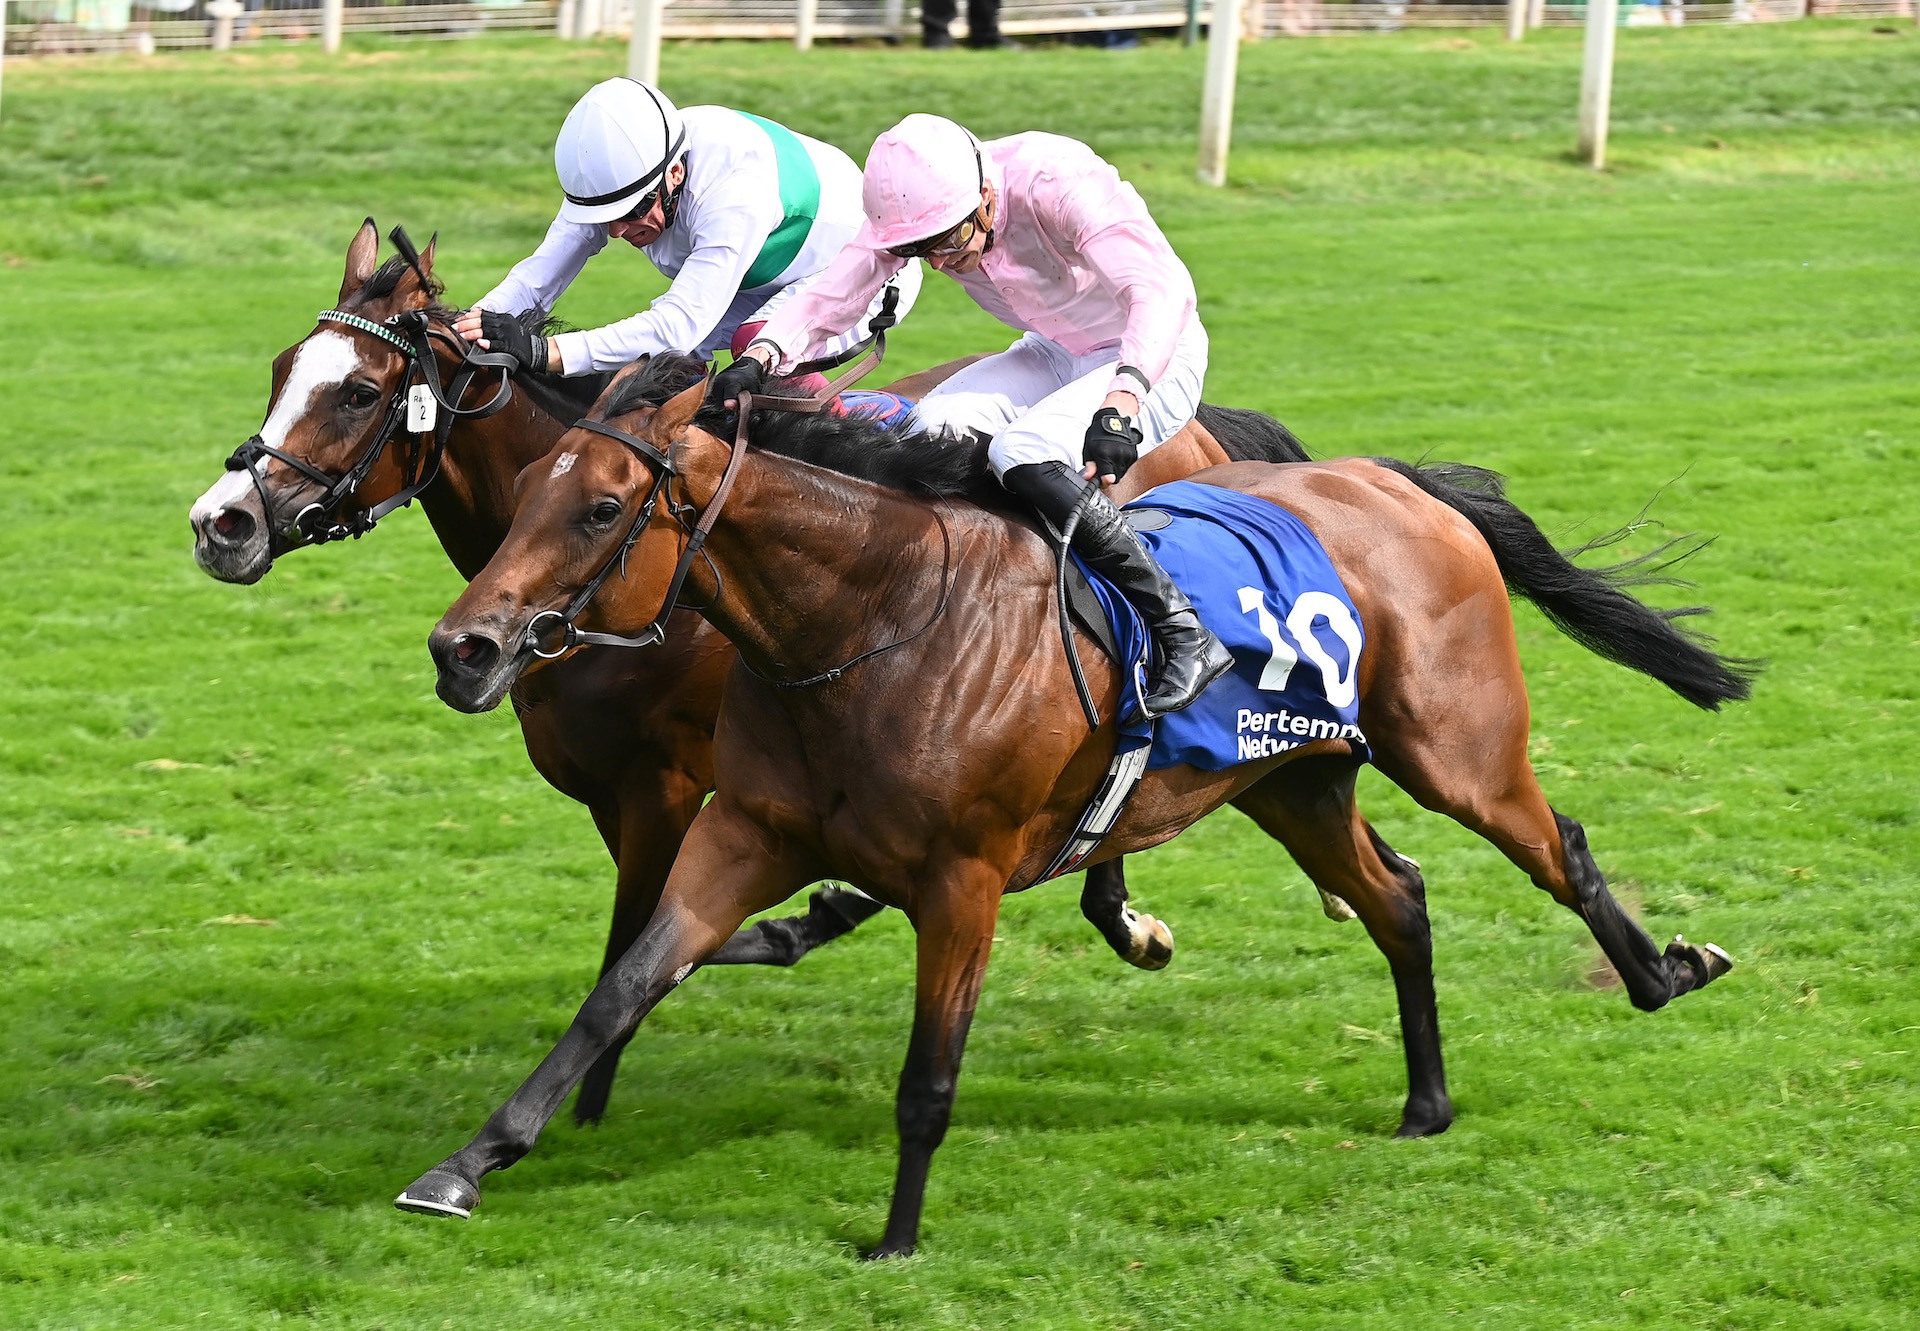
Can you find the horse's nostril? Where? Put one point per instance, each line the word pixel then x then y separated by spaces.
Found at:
pixel 473 652
pixel 232 524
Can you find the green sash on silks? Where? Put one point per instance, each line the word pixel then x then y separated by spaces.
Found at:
pixel 799 203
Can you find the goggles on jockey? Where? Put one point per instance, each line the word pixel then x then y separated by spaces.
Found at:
pixel 651 197
pixel 947 242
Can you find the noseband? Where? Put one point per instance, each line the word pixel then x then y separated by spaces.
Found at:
pixel 411 333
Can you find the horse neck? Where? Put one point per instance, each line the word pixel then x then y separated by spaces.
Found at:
pixel 815 568
pixel 470 503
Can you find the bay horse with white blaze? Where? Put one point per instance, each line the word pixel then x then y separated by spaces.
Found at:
pixel 949 765
pixel 628 734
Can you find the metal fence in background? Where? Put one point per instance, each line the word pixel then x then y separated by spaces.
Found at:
pixel 77 27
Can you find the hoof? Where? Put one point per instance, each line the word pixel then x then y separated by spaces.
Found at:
pixel 1426 1121
pixel 1334 908
pixel 886 1251
pixel 1707 961
pixel 439 1192
pixel 1151 944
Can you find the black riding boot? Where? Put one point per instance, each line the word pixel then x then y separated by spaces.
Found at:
pixel 1190 656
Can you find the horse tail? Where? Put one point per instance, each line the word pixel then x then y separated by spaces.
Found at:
pixel 1248 436
pixel 1591 605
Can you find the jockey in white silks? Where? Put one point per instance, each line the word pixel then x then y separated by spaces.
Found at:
pixel 1048 239
pixel 735 209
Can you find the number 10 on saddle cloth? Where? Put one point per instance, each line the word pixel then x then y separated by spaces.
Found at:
pixel 1261 580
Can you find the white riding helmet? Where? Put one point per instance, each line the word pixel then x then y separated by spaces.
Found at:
pixel 616 145
pixel 924 176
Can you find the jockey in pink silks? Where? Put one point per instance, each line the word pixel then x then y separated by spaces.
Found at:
pixel 1048 239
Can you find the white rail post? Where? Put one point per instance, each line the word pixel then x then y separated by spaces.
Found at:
pixel 896 17
pixel 333 15
pixel 563 20
pixel 1216 95
pixel 643 49
pixel 223 12
pixel 3 41
pixel 1536 13
pixel 1516 19
pixel 804 13
pixel 1596 80
pixel 586 19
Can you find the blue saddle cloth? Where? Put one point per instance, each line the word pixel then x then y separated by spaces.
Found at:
pixel 1261 580
pixel 886 407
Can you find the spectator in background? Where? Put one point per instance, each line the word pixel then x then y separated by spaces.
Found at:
pixel 983 25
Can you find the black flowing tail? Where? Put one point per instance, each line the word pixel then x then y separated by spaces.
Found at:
pixel 1590 605
pixel 1248 436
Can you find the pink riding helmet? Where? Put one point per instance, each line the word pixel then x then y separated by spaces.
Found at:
pixel 923 177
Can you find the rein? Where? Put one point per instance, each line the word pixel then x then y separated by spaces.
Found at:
pixel 422 392
pixel 571 635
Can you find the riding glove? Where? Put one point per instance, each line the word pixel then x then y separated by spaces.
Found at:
pixel 745 375
pixel 507 335
pixel 1113 443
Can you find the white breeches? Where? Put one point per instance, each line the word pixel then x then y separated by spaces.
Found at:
pixel 1035 400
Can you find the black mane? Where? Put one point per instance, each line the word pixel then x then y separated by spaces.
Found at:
pixel 896 456
pixel 385 280
pixel 564 397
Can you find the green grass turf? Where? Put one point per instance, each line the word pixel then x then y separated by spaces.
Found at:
pixel 202 1123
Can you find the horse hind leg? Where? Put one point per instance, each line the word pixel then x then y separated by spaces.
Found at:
pixel 1140 940
pixel 1498 796
pixel 832 912
pixel 1661 976
pixel 1316 819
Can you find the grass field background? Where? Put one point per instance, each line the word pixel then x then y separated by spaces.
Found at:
pixel 202 1122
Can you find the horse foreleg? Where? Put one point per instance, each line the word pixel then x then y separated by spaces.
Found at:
pixel 832 912
pixel 644 834
pixel 1141 940
pixel 1311 811
pixel 728 869
pixel 954 927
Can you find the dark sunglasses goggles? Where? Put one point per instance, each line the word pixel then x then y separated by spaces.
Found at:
pixel 947 242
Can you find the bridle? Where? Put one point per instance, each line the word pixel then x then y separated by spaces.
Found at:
pixel 412 334
pixel 544 624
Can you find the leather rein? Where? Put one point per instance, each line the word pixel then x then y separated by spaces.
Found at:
pixel 547 622
pixel 411 333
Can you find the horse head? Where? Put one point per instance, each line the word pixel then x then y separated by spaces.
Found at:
pixel 603 509
pixel 336 401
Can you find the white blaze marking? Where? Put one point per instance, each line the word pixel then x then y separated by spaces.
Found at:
pixel 563 464
pixel 323 361
pixel 230 491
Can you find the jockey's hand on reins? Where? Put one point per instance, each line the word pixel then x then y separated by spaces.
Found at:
pixel 745 375
pixel 1112 444
pixel 507 335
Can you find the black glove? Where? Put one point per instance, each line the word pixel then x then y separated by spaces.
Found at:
pixel 1112 445
pixel 745 375
pixel 507 335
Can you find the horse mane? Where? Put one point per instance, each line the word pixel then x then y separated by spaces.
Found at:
pixel 564 397
pixel 898 456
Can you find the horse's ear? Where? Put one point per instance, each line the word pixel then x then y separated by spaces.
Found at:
pixel 678 413
pixel 362 256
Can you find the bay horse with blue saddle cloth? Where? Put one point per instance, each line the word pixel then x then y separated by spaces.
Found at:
pixel 903 718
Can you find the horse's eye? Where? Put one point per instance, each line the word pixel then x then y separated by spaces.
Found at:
pixel 604 512
pixel 362 395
